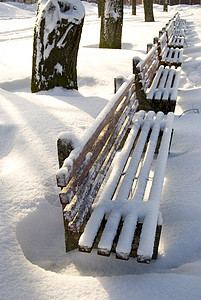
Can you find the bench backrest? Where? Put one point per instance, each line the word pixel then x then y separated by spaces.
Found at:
pixel 148 67
pixel 170 29
pixel 84 171
pixel 162 45
pixel 176 19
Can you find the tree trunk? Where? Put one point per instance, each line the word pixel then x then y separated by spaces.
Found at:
pixel 165 5
pixel 56 41
pixel 111 24
pixel 148 11
pixel 133 7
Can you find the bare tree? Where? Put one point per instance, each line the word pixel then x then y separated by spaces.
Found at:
pixel 134 7
pixel 165 5
pixel 148 11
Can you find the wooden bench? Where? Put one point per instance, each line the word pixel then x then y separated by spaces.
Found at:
pixel 156 83
pixel 175 34
pixel 116 173
pixel 169 56
pixel 179 23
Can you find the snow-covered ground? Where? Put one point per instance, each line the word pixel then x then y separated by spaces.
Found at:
pixel 33 263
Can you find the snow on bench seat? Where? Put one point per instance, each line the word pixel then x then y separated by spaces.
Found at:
pixel 175 35
pixel 176 42
pixel 179 23
pixel 169 56
pixel 136 197
pixel 165 85
pixel 158 83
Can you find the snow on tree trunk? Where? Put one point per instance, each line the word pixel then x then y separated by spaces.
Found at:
pixel 111 24
pixel 148 11
pixel 57 35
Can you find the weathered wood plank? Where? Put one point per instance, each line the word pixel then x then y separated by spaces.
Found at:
pixel 84 208
pixel 71 209
pixel 80 173
pixel 119 96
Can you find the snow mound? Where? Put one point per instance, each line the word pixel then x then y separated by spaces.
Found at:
pixel 15 11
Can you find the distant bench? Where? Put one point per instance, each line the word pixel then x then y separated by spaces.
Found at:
pixel 176 30
pixel 158 75
pixel 169 56
pixel 112 183
pixel 156 83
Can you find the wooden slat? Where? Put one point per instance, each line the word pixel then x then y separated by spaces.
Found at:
pixel 151 55
pixel 176 42
pixel 149 226
pixel 125 240
pixel 174 93
pixel 151 73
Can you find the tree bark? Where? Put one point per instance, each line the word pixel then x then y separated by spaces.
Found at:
pixel 111 24
pixel 148 11
pixel 56 41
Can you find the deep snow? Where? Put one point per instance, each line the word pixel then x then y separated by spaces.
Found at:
pixel 33 262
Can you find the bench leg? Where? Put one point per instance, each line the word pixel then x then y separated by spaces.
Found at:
pixel 64 148
pixel 71 239
pixel 157 240
pixel 136 241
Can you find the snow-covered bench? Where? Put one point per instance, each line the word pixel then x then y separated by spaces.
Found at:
pixel 156 83
pixel 175 31
pixel 180 24
pixel 169 56
pixel 112 183
pixel 158 75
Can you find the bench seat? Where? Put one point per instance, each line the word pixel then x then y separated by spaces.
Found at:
pixel 176 42
pixel 175 35
pixel 169 56
pixel 165 85
pixel 172 56
pixel 133 190
pixel 158 83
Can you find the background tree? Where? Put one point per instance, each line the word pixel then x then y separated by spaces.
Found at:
pixel 148 11
pixel 111 24
pixel 165 5
pixel 57 35
pixel 133 7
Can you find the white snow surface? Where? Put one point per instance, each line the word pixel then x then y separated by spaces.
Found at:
pixel 33 262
